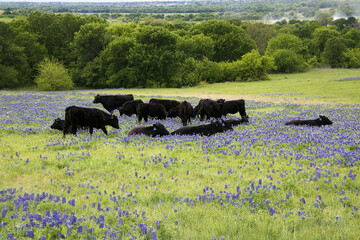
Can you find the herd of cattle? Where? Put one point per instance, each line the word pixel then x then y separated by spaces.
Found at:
pixel 89 118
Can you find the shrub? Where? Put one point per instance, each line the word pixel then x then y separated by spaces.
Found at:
pixel 53 76
pixel 287 61
pixel 352 58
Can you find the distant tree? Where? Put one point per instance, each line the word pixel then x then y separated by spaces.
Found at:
pixel 261 33
pixel 231 41
pixel 288 61
pixel 352 38
pixel 89 41
pixel 13 61
pixel 53 76
pixel 334 52
pixel 285 41
pixel 198 47
pixel 321 36
pixel 352 58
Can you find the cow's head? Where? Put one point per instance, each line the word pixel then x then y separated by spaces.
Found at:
pixel 159 129
pixel 114 122
pixel 97 99
pixel 324 120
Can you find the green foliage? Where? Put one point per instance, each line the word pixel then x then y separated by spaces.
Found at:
pixel 288 61
pixel 231 41
pixel 286 42
pixel 53 76
pixel 254 67
pixel 352 58
pixel 334 52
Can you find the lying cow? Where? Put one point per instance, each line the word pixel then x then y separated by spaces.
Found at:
pixel 232 107
pixel 184 110
pixel 235 122
pixel 112 102
pixel 129 108
pixel 207 108
pixel 168 104
pixel 76 117
pixel 155 110
pixel 205 129
pixel 156 129
pixel 322 120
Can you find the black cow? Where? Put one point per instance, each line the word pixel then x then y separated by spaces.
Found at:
pixel 322 120
pixel 184 111
pixel 156 129
pixel 76 117
pixel 143 110
pixel 207 108
pixel 168 104
pixel 129 108
pixel 235 122
pixel 205 129
pixel 112 102
pixel 58 124
pixel 232 107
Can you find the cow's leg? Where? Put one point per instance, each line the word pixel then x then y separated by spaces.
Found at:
pixel 73 128
pixel 104 130
pixel 66 128
pixel 139 118
pixel 145 118
pixel 91 130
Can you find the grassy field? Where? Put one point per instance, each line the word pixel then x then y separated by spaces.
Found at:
pixel 327 86
pixel 263 180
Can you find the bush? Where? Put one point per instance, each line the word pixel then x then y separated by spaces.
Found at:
pixel 287 61
pixel 352 58
pixel 53 76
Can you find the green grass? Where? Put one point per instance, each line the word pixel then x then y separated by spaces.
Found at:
pixel 316 86
pixel 191 181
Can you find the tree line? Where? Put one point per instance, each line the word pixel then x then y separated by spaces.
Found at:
pixel 49 50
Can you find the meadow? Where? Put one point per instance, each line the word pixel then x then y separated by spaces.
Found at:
pixel 263 180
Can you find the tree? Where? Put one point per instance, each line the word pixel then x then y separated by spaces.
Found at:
pixel 287 42
pixel 288 61
pixel 14 70
pixel 89 41
pixel 334 52
pixel 53 76
pixel 352 58
pixel 261 34
pixel 198 46
pixel 231 41
pixel 321 36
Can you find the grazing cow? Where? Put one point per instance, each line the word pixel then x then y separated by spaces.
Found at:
pixel 143 110
pixel 112 102
pixel 232 107
pixel 58 124
pixel 184 111
pixel 168 104
pixel 205 129
pixel 129 108
pixel 76 117
pixel 322 120
pixel 207 108
pixel 235 122
pixel 156 129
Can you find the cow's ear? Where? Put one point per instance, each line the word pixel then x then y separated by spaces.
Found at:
pixel 320 117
